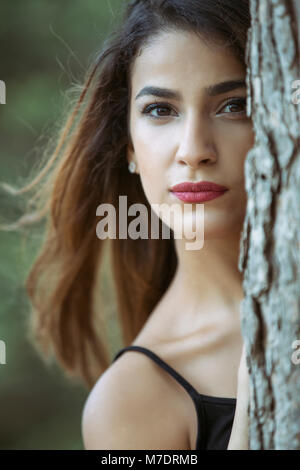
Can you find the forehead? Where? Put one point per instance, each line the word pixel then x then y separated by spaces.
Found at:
pixel 179 58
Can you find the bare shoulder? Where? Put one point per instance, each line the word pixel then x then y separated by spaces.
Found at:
pixel 132 406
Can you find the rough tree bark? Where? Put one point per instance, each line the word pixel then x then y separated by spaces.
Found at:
pixel 269 257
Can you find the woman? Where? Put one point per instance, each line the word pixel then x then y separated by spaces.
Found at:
pixel 165 104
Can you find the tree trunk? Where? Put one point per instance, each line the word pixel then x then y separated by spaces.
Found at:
pixel 269 257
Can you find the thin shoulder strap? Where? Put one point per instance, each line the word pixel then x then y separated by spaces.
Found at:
pixel 196 397
pixel 188 387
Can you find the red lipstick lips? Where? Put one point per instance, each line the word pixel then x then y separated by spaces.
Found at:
pixel 198 192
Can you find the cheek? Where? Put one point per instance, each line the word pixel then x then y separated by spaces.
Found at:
pixel 152 159
pixel 245 146
pixel 149 163
pixel 151 172
pixel 247 141
pixel 241 141
pixel 153 182
pixel 153 141
pixel 246 138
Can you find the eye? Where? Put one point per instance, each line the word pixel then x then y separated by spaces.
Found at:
pixel 163 109
pixel 236 103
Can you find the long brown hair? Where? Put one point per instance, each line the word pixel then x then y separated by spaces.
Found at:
pixel 89 167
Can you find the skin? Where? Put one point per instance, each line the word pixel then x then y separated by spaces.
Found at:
pixel 196 137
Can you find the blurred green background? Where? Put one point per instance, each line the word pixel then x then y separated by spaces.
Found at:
pixel 46 46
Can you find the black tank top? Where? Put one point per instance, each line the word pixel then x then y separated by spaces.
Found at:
pixel 214 414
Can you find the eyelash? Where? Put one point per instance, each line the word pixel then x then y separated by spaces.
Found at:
pixel 230 101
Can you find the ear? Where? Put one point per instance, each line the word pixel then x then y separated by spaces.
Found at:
pixel 130 154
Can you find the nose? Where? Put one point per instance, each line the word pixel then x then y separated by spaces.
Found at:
pixel 196 144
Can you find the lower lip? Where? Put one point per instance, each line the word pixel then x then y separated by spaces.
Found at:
pixel 201 196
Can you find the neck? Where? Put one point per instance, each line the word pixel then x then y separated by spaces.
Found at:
pixel 209 275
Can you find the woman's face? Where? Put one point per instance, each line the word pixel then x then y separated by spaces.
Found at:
pixel 189 132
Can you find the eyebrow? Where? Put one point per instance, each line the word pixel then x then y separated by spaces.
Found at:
pixel 213 90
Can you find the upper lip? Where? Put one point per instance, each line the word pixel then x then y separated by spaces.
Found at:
pixel 198 187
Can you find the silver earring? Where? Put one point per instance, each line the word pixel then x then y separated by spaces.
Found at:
pixel 132 167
